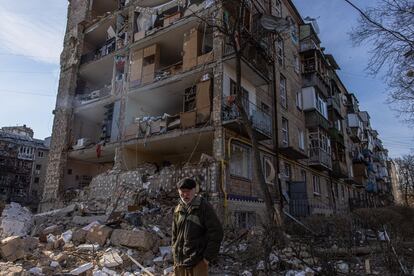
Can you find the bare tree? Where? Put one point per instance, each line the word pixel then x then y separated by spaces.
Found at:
pixel 388 29
pixel 232 27
pixel 405 167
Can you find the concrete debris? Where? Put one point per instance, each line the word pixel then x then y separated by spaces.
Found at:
pixel 16 220
pixel 342 267
pixel 139 239
pixel 138 242
pixel 82 269
pixel 99 234
pixel 13 248
pixel 111 259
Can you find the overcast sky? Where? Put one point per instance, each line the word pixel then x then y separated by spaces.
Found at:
pixel 31 38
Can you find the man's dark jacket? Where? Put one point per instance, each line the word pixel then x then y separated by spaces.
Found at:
pixel 196 233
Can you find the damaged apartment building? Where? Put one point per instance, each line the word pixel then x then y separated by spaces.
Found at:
pixel 146 97
pixel 23 161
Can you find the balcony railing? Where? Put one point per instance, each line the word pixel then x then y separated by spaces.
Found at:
pixel 319 157
pixel 315 79
pixel 93 96
pixel 25 156
pixel 335 103
pixel 314 119
pixel 308 45
pixel 260 119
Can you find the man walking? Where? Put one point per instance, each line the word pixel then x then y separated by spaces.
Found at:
pixel 196 233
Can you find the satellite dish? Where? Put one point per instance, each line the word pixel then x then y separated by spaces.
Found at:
pixel 274 24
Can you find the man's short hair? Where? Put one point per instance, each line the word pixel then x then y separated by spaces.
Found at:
pixel 186 183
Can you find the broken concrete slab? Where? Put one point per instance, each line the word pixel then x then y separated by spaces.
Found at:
pixel 79 236
pixel 12 248
pixel 88 247
pixel 82 269
pixel 139 239
pixel 16 220
pixel 79 220
pixel 99 234
pixel 111 259
pixel 59 213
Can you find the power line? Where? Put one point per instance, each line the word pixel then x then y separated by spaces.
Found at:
pixel 26 93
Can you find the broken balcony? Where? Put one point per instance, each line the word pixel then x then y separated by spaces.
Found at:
pixel 94 82
pixel 170 54
pixel 99 8
pixel 99 41
pixel 95 129
pixel 314 73
pixel 314 119
pixel 174 106
pixel 320 159
pixel 260 119
pixel 339 169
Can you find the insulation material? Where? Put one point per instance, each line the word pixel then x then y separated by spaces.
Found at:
pixel 151 61
pixel 203 101
pixel 136 67
pixel 191 48
pixel 145 21
pixel 188 119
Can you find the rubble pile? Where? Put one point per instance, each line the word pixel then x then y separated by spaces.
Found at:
pixel 75 242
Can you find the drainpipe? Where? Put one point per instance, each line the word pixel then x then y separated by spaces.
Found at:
pixel 276 133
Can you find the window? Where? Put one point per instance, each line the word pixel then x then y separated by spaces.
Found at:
pixel 280 52
pixel 69 171
pixel 36 180
pixel 303 175
pixel 38 167
pixel 40 154
pixel 316 182
pixel 268 169
pixel 277 8
pixel 299 100
pixel 244 92
pixel 285 132
pixel 338 125
pixel 244 219
pixel 296 64
pixel 294 32
pixel 343 191
pixel 265 108
pixel 240 161
pixel 321 106
pixel 283 94
pixel 288 171
pixel 301 139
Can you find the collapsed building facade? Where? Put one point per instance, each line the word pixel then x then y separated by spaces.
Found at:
pixel 146 97
pixel 23 162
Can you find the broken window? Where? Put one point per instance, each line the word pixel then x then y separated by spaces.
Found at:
pixel 240 161
pixel 285 132
pixel 283 91
pixel 244 219
pixel 316 182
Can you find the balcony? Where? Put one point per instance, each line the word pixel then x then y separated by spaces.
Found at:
pixel 313 78
pixel 292 152
pixel 103 50
pixel 356 135
pixel 260 119
pixel 314 119
pixel 93 96
pixel 335 103
pixel 308 45
pixel 336 136
pixel 320 159
pixel 339 169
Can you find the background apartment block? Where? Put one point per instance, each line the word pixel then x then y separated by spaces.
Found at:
pixel 147 87
pixel 23 162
